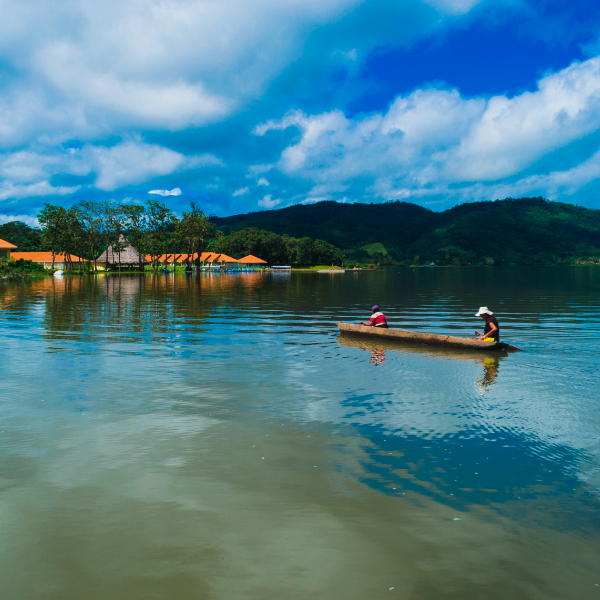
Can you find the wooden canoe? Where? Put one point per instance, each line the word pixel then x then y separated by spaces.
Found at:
pixel 431 339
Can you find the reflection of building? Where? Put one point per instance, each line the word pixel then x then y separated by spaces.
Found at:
pixel 45 258
pixel 5 248
pixel 125 255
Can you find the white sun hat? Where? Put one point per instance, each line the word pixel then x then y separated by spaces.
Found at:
pixel 484 310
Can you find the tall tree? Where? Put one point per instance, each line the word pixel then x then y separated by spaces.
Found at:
pixel 108 214
pixel 161 222
pixel 88 213
pixel 73 237
pixel 193 230
pixel 52 220
pixel 136 227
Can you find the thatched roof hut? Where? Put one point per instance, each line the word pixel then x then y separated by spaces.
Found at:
pixel 129 255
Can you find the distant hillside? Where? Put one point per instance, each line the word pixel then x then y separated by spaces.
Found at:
pixel 522 230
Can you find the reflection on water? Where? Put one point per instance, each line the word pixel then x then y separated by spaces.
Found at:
pixel 214 436
pixel 489 360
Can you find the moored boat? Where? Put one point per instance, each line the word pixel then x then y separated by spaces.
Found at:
pixel 431 339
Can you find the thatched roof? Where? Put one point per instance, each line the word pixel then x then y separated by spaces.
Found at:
pixel 129 255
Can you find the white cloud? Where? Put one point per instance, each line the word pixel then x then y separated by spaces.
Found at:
pixel 41 188
pixel 254 170
pixel 266 202
pixel 431 139
pixel 262 181
pixel 173 192
pixel 89 68
pixel 131 162
pixel 240 192
pixel 31 221
pixel 351 55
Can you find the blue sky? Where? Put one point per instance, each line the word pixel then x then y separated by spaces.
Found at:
pixel 242 106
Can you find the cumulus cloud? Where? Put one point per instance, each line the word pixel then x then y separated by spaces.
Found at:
pixel 93 68
pixel 258 169
pixel 132 161
pixel 41 188
pixel 434 139
pixel 173 192
pixel 266 202
pixel 31 221
pixel 154 77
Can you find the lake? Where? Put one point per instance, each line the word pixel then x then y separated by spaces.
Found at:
pixel 214 437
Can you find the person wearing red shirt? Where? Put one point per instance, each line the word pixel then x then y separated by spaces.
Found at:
pixel 377 319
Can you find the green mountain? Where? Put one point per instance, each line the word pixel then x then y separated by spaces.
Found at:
pixel 524 230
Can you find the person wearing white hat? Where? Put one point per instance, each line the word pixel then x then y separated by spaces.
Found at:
pixel 491 331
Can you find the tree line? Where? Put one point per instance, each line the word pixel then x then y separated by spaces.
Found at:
pixel 279 249
pixel 88 228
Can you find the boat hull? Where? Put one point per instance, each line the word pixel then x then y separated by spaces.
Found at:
pixel 430 339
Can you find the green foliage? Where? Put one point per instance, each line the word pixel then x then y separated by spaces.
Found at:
pixel 522 231
pixel 161 223
pixel 53 222
pixel 375 249
pixel 18 269
pixel 394 224
pixel 24 237
pixel 194 229
pixel 277 249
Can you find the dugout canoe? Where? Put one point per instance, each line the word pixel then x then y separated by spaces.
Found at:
pixel 430 339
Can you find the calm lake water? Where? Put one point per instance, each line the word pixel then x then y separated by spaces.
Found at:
pixel 213 437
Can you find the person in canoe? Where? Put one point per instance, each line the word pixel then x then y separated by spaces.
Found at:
pixel 377 319
pixel 491 331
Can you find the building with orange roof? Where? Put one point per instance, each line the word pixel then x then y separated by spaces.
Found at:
pixel 5 249
pixel 45 258
pixel 215 258
pixel 170 259
pixel 252 261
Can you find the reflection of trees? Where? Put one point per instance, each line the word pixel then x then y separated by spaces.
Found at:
pixel 138 307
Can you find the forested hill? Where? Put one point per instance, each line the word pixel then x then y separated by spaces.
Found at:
pixel 525 229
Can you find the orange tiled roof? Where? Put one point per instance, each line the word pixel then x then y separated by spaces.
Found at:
pixel 168 257
pixel 4 244
pixel 225 258
pixel 42 256
pixel 205 256
pixel 209 256
pixel 213 256
pixel 252 259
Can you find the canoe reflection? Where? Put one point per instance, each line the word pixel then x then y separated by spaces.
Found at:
pixel 355 341
pixel 490 362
